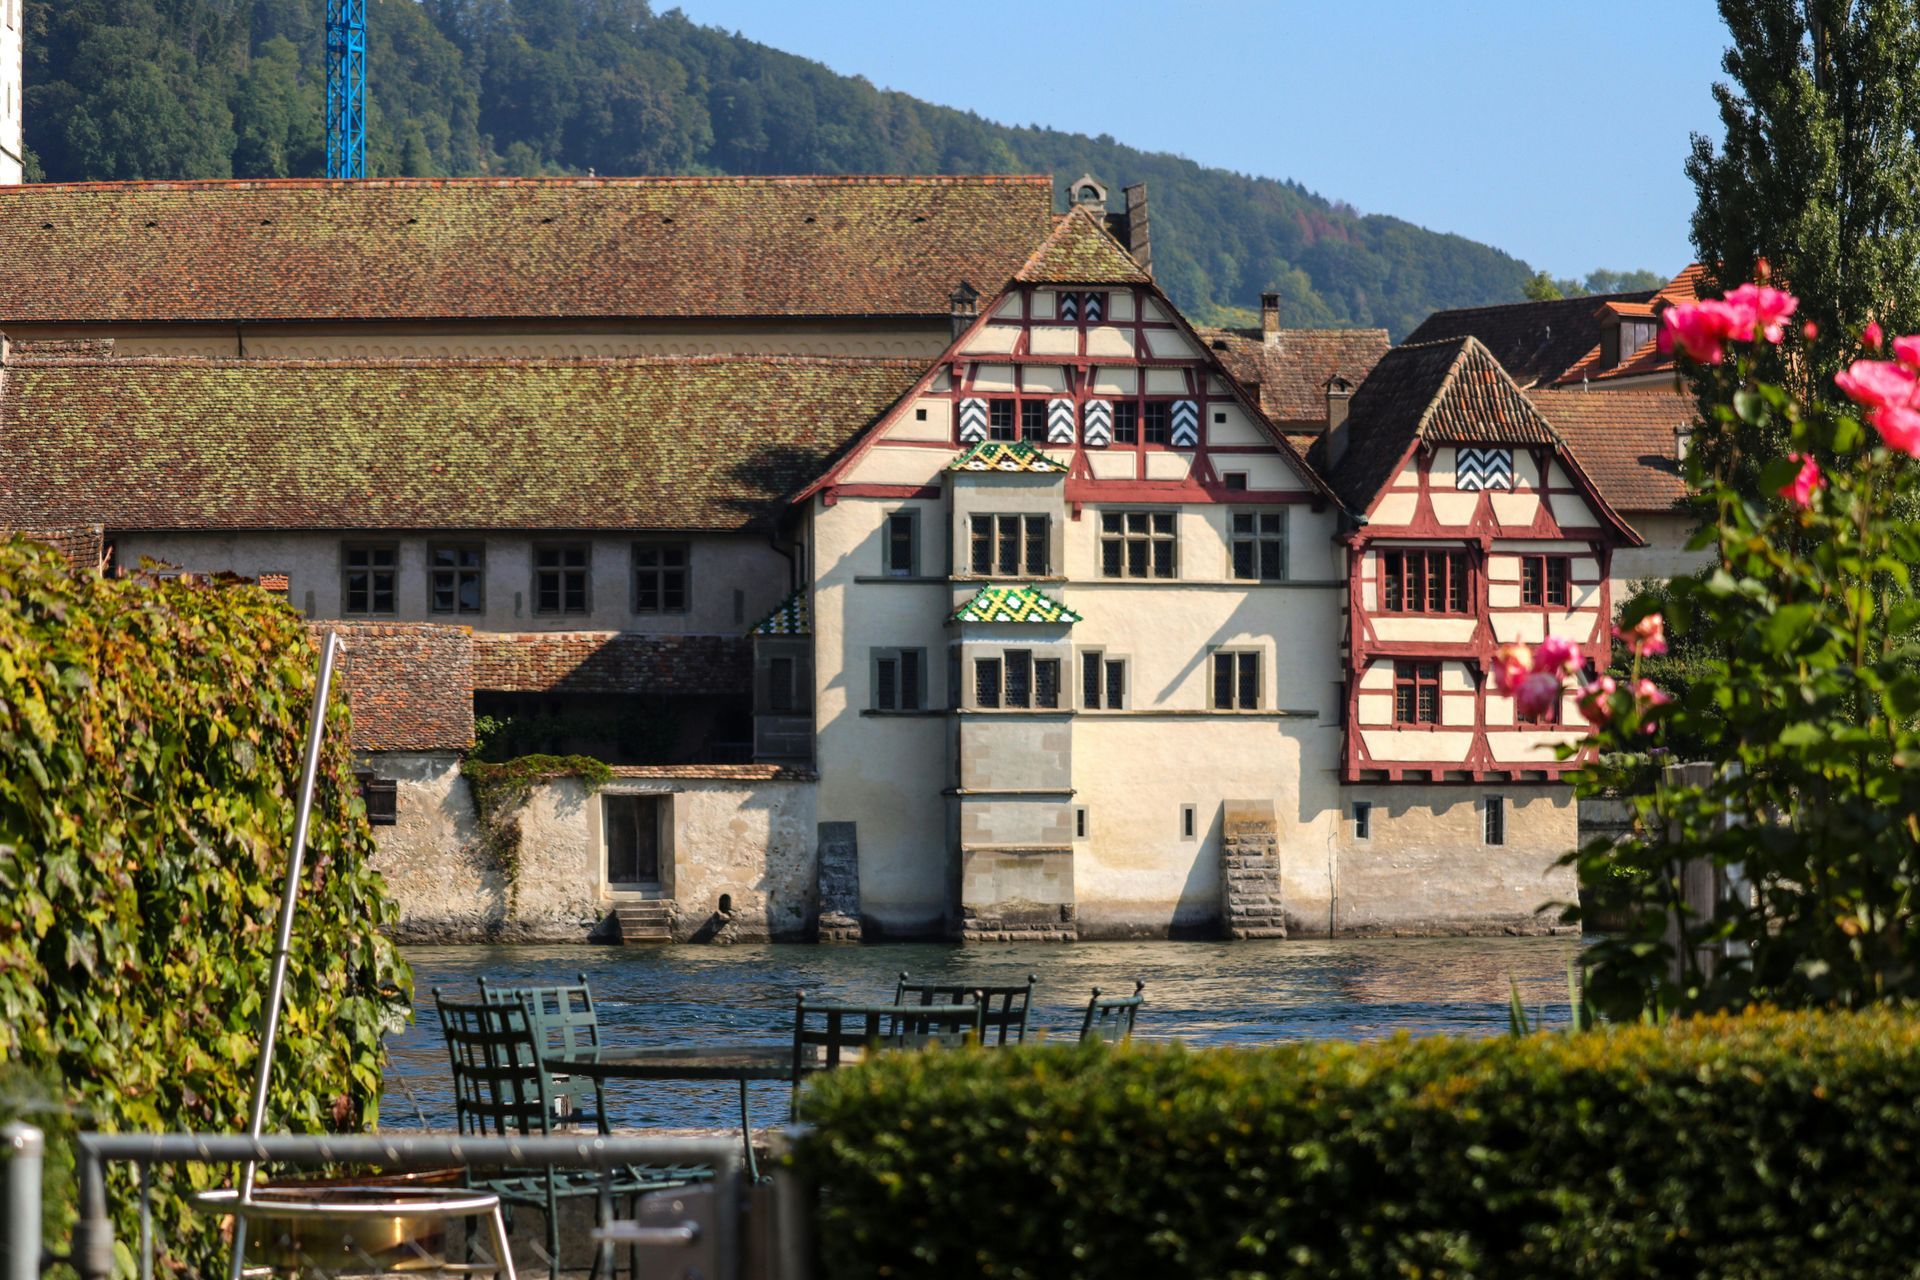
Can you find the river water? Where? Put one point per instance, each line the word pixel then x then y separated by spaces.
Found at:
pixel 1199 992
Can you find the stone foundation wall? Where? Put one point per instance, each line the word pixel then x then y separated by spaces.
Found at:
pixel 1252 899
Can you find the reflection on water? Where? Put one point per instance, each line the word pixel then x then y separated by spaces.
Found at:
pixel 1200 992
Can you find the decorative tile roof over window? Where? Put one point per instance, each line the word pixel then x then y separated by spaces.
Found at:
pixel 1014 604
pixel 791 618
pixel 1004 455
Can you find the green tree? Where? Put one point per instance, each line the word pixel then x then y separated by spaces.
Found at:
pixel 1819 171
pixel 1542 288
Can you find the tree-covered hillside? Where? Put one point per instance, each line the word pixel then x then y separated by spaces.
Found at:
pixel 218 88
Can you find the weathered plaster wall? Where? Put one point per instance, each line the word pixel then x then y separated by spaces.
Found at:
pixel 1427 869
pixel 1664 556
pixel 735 580
pixel 752 840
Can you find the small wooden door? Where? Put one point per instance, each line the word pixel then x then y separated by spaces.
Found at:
pixel 633 840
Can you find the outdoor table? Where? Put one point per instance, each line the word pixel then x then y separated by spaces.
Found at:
pixel 738 1062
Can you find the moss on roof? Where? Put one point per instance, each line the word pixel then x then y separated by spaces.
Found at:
pixel 673 443
pixel 1082 251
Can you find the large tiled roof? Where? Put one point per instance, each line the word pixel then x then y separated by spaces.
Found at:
pixel 1648 358
pixel 1536 342
pixel 521 248
pixel 1082 251
pixel 1628 441
pixel 664 443
pixel 1290 376
pixel 1452 391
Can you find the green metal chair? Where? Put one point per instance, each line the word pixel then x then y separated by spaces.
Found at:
pixel 827 1036
pixel 1003 1009
pixel 1110 1019
pixel 500 1090
pixel 563 1021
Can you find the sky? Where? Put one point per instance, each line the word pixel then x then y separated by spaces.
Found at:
pixel 1553 130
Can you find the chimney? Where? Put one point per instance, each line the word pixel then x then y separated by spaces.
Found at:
pixel 1270 319
pixel 1339 398
pixel 1137 242
pixel 965 302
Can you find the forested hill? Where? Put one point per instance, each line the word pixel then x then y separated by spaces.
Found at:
pixel 218 88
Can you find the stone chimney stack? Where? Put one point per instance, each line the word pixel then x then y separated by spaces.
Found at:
pixel 1270 319
pixel 965 302
pixel 1138 243
pixel 1339 398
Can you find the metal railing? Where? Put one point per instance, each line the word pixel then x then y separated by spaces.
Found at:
pixel 727 1228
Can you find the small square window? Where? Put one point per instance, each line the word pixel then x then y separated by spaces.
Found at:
pixel 1126 422
pixel 1219 418
pixel 660 577
pixel 1362 820
pixel 456 578
pixel 1159 421
pixel 1080 822
pixel 560 578
pixel 369 580
pixel 1236 481
pixel 919 415
pixel 1495 809
pixel 1033 421
pixel 899 682
pixel 1189 821
pixel 1001 423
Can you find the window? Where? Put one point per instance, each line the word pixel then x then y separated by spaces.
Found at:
pixel 898 679
pixel 986 682
pixel 1188 821
pixel 456 578
pixel 1137 544
pixel 1543 580
pixel 1080 822
pixel 659 577
pixel 1126 422
pixel 783 686
pixel 633 838
pixel 381 796
pixel 560 578
pixel 369 578
pixel 1416 693
pixel 1000 420
pixel 1103 682
pixel 1423 581
pixel 1046 683
pixel 902 547
pixel 1236 681
pixel 1010 546
pixel 1362 820
pixel 1495 809
pixel 1236 481
pixel 1159 421
pixel 1260 545
pixel 1033 421
pixel 1019 686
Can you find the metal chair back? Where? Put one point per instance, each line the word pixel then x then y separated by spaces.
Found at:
pixel 499 1088
pixel 1003 1009
pixel 1110 1018
pixel 828 1035
pixel 563 1021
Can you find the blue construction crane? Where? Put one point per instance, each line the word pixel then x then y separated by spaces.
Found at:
pixel 346 88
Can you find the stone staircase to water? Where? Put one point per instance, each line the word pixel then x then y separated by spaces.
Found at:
pixel 643 924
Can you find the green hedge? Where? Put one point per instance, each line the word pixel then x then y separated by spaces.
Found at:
pixel 1766 1145
pixel 150 736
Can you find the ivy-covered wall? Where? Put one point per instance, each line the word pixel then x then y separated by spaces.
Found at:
pixel 150 742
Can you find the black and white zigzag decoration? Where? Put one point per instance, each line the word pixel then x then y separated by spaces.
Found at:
pixel 1477 469
pixel 1186 424
pixel 1098 424
pixel 1069 307
pixel 1093 308
pixel 1059 422
pixel 973 420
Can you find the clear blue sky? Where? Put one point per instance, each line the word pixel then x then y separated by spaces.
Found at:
pixel 1553 130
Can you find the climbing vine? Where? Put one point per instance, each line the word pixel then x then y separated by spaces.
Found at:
pixel 501 789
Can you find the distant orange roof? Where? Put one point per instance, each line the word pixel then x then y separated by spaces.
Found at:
pixel 1646 360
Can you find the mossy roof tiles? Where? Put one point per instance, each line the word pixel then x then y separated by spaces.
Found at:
pixel 671 443
pixel 1082 251
pixel 519 248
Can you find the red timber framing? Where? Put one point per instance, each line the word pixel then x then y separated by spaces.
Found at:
pixel 1485 541
pixel 1203 380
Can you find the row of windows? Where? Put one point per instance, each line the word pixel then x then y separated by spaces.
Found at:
pixel 1133 544
pixel 1016 678
pixel 1025 418
pixel 1493 820
pixel 660 578
pixel 1438 581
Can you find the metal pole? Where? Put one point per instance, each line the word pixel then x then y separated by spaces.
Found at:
pixel 283 938
pixel 25 1146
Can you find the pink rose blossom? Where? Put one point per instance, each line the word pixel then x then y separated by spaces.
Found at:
pixel 1702 329
pixel 1647 637
pixel 1800 489
pixel 1649 694
pixel 1556 654
pixel 1511 663
pixel 1596 701
pixel 1537 694
pixel 1899 427
pixel 1871 337
pixel 1907 350
pixel 1810 331
pixel 1761 310
pixel 1877 383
